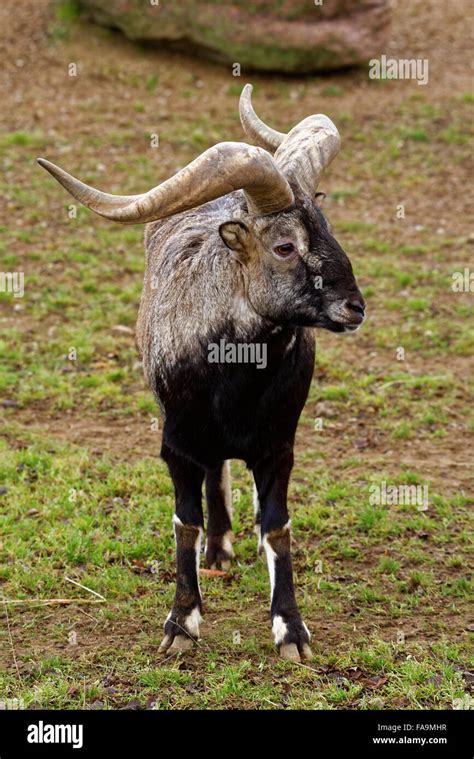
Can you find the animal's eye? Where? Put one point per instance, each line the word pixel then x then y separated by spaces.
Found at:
pixel 285 250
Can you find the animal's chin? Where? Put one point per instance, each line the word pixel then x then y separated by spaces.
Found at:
pixel 325 322
pixel 322 321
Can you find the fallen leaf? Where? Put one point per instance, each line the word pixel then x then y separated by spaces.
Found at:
pixel 375 682
pixel 133 705
pixel 213 573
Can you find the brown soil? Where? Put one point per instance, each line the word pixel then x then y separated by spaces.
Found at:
pixel 36 93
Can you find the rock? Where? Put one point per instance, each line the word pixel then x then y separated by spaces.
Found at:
pixel 290 36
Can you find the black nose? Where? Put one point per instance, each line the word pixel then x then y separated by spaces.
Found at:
pixel 357 306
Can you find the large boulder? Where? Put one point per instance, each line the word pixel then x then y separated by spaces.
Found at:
pixel 285 35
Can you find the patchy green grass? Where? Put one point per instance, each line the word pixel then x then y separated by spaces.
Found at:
pixel 381 624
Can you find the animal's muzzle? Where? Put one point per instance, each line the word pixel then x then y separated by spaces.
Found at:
pixel 355 308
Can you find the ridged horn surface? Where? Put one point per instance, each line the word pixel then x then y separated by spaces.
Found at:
pixel 254 127
pixel 221 169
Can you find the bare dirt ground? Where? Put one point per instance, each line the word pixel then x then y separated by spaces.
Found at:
pixel 36 92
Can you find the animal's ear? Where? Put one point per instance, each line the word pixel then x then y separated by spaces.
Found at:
pixel 236 236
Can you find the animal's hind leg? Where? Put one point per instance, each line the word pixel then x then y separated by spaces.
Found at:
pixel 219 527
pixel 257 513
pixel 182 624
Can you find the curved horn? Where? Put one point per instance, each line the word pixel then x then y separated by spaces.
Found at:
pixel 254 127
pixel 307 150
pixel 221 169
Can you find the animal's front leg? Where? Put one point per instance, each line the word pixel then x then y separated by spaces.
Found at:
pixel 290 632
pixel 182 624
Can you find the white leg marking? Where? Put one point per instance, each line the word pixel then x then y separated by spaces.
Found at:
pixel 279 629
pixel 227 547
pixel 256 502
pixel 197 548
pixel 192 621
pixel 258 533
pixel 226 488
pixel 227 542
pixel 271 558
pixel 256 506
pixel 176 521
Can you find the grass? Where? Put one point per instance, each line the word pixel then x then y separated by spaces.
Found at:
pixel 83 495
pixel 71 514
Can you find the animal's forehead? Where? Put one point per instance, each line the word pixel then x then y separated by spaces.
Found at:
pixel 284 223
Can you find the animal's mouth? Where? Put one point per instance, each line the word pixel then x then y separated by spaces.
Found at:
pixel 345 316
pixel 338 326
